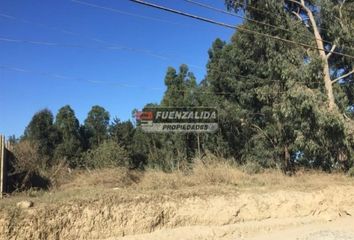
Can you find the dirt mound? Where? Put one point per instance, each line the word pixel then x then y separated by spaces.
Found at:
pixel 120 214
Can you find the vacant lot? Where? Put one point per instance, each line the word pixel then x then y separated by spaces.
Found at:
pixel 210 202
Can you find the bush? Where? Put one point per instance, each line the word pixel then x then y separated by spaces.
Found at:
pixel 351 172
pixel 26 167
pixel 107 154
pixel 27 157
pixel 252 168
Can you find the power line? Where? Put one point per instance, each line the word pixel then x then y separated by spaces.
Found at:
pixel 80 79
pixel 125 85
pixel 267 12
pixel 22 20
pixel 252 20
pixel 234 27
pixel 264 11
pixel 80 46
pixel 95 81
pixel 65 77
pixel 233 14
pixel 55 44
pixel 110 48
pixel 123 12
pixel 115 10
pixel 94 39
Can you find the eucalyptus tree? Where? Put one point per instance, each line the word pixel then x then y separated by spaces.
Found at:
pixel 96 126
pixel 282 95
pixel 329 27
pixel 42 132
pixel 68 126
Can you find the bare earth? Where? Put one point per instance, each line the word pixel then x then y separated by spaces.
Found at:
pixel 280 229
pixel 320 215
pixel 220 205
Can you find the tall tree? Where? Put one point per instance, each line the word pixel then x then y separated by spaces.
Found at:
pixel 265 74
pixel 122 132
pixel 178 149
pixel 96 125
pixel 69 129
pixel 181 88
pixel 329 27
pixel 42 131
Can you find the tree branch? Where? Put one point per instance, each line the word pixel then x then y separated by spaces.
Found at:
pixel 264 134
pixel 340 9
pixel 341 14
pixel 297 15
pixel 297 3
pixel 331 51
pixel 343 76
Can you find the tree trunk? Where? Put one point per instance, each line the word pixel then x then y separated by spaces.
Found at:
pixel 326 71
pixel 287 159
pixel 198 142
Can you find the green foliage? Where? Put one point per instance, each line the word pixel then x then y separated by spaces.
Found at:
pixel 122 132
pixel 252 168
pixel 270 97
pixel 27 158
pixel 275 113
pixel 351 172
pixel 69 147
pixel 27 164
pixel 107 154
pixel 42 132
pixel 181 88
pixel 96 126
pixel 174 150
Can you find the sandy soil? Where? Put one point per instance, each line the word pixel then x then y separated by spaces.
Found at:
pixel 302 208
pixel 274 215
pixel 320 215
pixel 305 228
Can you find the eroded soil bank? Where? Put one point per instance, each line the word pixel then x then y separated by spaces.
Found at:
pixel 212 202
pixel 176 214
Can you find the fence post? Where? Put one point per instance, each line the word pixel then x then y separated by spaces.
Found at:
pixel 2 165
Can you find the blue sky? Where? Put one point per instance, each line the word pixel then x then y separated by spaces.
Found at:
pixel 54 53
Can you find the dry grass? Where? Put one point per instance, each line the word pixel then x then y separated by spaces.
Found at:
pixel 223 174
pixel 109 178
pixel 202 175
pixel 131 202
pixel 209 178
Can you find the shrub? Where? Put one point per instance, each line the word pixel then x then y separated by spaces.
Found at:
pixel 26 167
pixel 252 168
pixel 351 172
pixel 27 157
pixel 107 154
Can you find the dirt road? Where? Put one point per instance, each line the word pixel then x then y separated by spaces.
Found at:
pixel 340 229
pixel 291 229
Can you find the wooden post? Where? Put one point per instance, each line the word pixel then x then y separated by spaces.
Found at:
pixel 2 165
pixel 198 141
